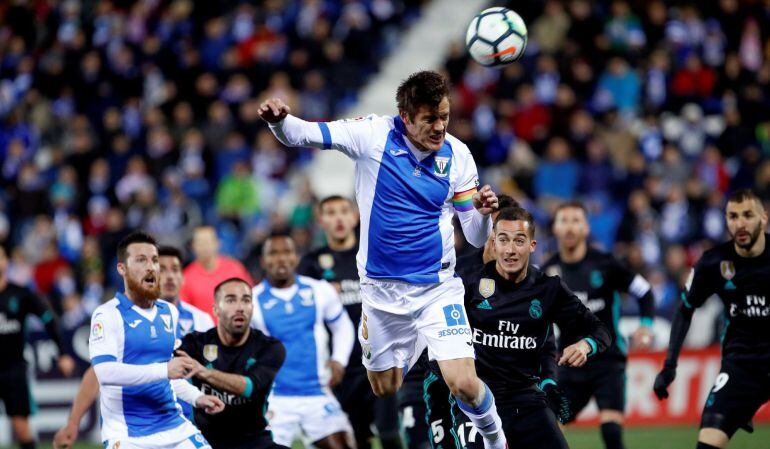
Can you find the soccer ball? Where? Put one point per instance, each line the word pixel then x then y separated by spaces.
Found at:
pixel 496 37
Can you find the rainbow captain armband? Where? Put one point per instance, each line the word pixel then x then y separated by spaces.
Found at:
pixel 463 201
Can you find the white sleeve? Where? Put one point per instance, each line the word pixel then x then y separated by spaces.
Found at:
pixel 106 332
pixel 186 391
pixel 124 374
pixel 353 137
pixel 476 227
pixel 338 321
pixel 202 321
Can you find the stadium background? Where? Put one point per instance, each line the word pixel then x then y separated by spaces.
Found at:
pixel 118 114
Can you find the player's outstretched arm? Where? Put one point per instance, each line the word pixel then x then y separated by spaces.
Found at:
pixel 351 137
pixel 84 399
pixel 231 383
pixel 679 327
pixel 473 209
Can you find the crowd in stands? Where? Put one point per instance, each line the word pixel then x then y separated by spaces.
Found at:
pixel 118 114
pixel 122 114
pixel 648 111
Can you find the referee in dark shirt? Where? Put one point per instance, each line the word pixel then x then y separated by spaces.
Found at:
pixel 239 365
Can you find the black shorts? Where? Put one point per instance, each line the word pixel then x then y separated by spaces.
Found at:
pixel 430 403
pixel 14 391
pixel 739 391
pixel 533 427
pixel 605 381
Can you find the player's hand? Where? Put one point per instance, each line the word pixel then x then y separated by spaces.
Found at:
pixel 663 380
pixel 642 338
pixel 575 355
pixel 66 365
pixel 65 437
pixel 559 403
pixel 273 110
pixel 182 367
pixel 198 369
pixel 211 404
pixel 338 371
pixel 485 200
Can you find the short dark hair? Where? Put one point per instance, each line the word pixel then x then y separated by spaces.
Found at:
pixel 574 204
pixel 331 198
pixel 227 281
pixel 278 235
pixel 170 251
pixel 425 88
pixel 742 195
pixel 130 239
pixel 505 201
pixel 516 214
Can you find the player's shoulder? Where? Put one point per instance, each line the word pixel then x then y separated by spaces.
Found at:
pixel 551 261
pixel 166 306
pixel 12 289
pixel 257 290
pixel 313 254
pixel 459 148
pixel 259 338
pixel 715 255
pixel 318 285
pixel 107 311
pixel 198 315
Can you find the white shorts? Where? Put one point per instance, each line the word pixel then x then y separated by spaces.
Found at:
pixel 185 436
pixel 311 418
pixel 399 319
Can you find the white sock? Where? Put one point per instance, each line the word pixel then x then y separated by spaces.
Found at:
pixel 485 418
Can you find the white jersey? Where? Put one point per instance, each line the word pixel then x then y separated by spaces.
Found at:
pixel 297 316
pixel 192 319
pixel 406 197
pixel 137 399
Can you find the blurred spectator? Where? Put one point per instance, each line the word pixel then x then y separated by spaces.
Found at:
pixel 208 269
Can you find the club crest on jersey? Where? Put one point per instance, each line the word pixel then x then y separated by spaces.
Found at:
pixel 210 352
pixel 535 309
pixel 166 322
pixel 440 166
pixel 306 296
pixel 326 261
pixel 487 287
pixel 727 268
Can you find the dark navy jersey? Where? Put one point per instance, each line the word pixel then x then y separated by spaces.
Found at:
pixel 259 359
pixel 743 284
pixel 598 280
pixel 16 304
pixel 338 267
pixel 512 323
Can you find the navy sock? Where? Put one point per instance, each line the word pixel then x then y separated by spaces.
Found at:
pixel 612 434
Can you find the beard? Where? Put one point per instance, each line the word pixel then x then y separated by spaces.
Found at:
pixel 752 240
pixel 140 291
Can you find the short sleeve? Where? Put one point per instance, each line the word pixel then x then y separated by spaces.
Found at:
pixel 106 329
pixel 467 182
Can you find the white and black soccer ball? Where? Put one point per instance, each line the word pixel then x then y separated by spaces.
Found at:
pixel 496 37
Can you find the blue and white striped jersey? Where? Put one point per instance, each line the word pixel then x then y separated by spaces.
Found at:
pixel 296 316
pixel 124 333
pixel 406 197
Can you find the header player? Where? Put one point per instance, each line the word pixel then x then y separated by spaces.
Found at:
pixel 411 178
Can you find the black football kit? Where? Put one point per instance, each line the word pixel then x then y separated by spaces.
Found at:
pixel 512 324
pixel 743 384
pixel 16 303
pixel 242 424
pixel 598 280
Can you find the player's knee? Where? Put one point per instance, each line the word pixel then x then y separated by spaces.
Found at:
pixel 611 416
pixel 714 437
pixel 465 387
pixel 384 384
